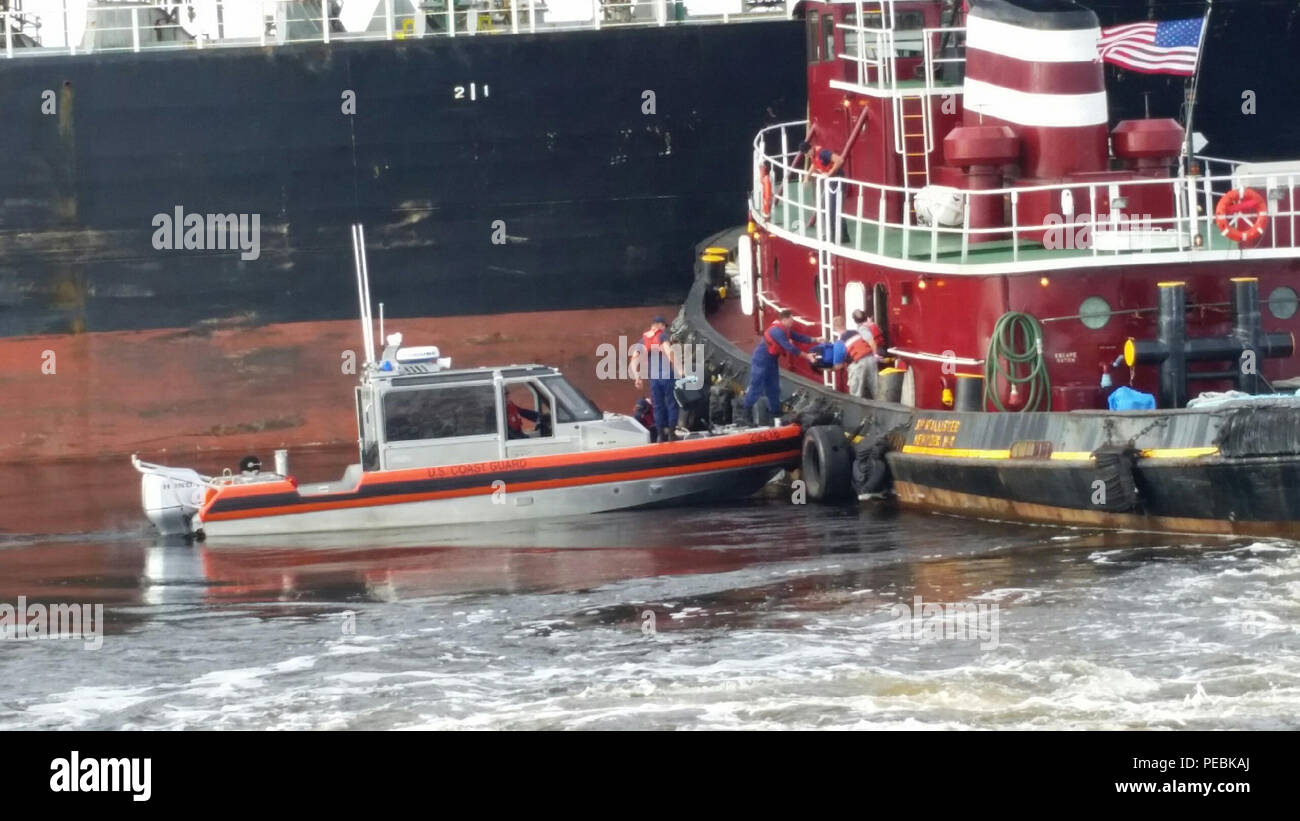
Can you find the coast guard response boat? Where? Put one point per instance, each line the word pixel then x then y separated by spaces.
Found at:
pixel 437 446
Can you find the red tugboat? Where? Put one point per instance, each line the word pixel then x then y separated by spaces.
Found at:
pixel 1039 275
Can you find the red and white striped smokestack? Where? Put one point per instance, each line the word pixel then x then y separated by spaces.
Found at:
pixel 1033 66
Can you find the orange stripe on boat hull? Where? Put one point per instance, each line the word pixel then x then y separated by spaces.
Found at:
pixel 774 459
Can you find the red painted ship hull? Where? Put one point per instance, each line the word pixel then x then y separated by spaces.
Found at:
pixel 237 387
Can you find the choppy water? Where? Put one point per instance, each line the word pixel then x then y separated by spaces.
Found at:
pixel 757 615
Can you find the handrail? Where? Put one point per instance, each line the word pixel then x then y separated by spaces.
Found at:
pixel 764 299
pixel 239 23
pixel 930 61
pixel 148 468
pixel 903 353
pixel 1190 229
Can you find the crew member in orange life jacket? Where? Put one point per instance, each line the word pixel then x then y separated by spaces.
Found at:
pixel 662 370
pixel 765 177
pixel 515 417
pixel 864 370
pixel 827 163
pixel 765 364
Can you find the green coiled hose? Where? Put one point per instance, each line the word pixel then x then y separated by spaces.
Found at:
pixel 1006 360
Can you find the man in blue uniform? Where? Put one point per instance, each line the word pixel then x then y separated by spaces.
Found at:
pixel 765 365
pixel 661 370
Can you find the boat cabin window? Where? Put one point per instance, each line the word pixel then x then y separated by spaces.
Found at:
pixel 571 404
pixel 828 36
pixel 440 413
pixel 907 26
pixel 534 409
pixel 908 33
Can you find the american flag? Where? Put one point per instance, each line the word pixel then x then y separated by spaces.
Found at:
pixel 1168 47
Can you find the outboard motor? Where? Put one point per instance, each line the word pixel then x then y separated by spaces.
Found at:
pixel 171 497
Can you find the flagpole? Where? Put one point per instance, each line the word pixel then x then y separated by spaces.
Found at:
pixel 1196 79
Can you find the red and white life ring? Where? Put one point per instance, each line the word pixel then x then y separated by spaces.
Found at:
pixel 1239 205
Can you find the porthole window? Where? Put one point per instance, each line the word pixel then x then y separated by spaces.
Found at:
pixel 1094 312
pixel 1282 302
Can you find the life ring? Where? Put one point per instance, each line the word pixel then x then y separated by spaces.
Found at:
pixel 827 465
pixel 767 195
pixel 1236 205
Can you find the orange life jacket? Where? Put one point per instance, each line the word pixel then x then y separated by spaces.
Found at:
pixel 877 336
pixel 514 421
pixel 773 347
pixel 653 340
pixel 767 195
pixel 817 160
pixel 650 339
pixel 857 347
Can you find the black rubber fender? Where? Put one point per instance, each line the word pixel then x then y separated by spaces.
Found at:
pixel 720 405
pixel 712 301
pixel 827 465
pixel 871 473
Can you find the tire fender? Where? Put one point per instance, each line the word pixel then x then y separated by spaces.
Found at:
pixel 827 464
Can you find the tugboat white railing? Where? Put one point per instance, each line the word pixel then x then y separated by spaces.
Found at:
pixel 200 24
pixel 865 232
pixel 873 51
pixel 879 55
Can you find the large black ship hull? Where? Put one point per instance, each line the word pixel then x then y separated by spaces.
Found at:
pixel 493 174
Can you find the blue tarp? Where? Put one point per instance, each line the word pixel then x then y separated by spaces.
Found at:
pixel 1125 398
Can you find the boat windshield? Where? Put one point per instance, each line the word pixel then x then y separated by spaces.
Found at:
pixel 571 404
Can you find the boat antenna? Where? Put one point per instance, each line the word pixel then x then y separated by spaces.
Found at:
pixel 363 290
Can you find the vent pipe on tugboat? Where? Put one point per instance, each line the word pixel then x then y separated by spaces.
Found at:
pixel 855 131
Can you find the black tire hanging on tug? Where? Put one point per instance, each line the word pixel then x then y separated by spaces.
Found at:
pixel 827 464
pixel 871 474
pixel 1114 469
